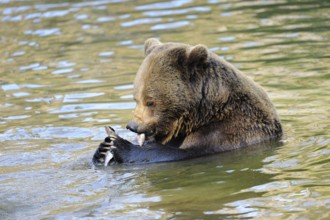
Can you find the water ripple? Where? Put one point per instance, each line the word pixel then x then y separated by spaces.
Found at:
pixel 176 12
pixel 44 32
pixel 94 106
pixel 164 5
pixel 141 21
pixel 171 25
pixel 63 71
pixel 8 87
pixel 77 96
pixel 14 10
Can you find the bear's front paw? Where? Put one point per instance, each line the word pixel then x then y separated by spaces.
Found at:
pixel 120 148
pixel 102 153
pixel 113 149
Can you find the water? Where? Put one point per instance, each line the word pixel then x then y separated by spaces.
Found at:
pixel 66 70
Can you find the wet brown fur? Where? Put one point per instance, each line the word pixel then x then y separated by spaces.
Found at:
pixel 188 92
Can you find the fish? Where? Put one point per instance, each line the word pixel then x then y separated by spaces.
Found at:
pixel 108 157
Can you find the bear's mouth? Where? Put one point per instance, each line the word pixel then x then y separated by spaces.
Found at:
pixel 144 137
pixel 154 137
pixel 141 138
pixel 150 134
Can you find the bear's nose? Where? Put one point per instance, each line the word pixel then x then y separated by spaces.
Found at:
pixel 133 126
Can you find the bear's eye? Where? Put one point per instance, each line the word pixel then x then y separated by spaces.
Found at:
pixel 150 103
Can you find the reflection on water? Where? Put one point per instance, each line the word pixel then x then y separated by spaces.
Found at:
pixel 67 69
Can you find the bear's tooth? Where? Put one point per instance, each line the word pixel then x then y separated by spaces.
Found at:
pixel 141 138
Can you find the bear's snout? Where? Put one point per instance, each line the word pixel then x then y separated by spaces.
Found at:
pixel 132 126
pixel 140 128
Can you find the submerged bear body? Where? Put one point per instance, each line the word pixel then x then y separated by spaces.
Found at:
pixel 190 103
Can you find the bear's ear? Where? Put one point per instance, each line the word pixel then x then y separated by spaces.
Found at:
pixel 198 55
pixel 150 44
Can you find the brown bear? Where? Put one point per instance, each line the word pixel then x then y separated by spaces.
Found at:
pixel 190 103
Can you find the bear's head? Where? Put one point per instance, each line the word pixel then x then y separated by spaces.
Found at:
pixel 168 90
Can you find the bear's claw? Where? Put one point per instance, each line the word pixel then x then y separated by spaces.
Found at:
pixel 103 154
pixel 113 149
pixel 110 132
